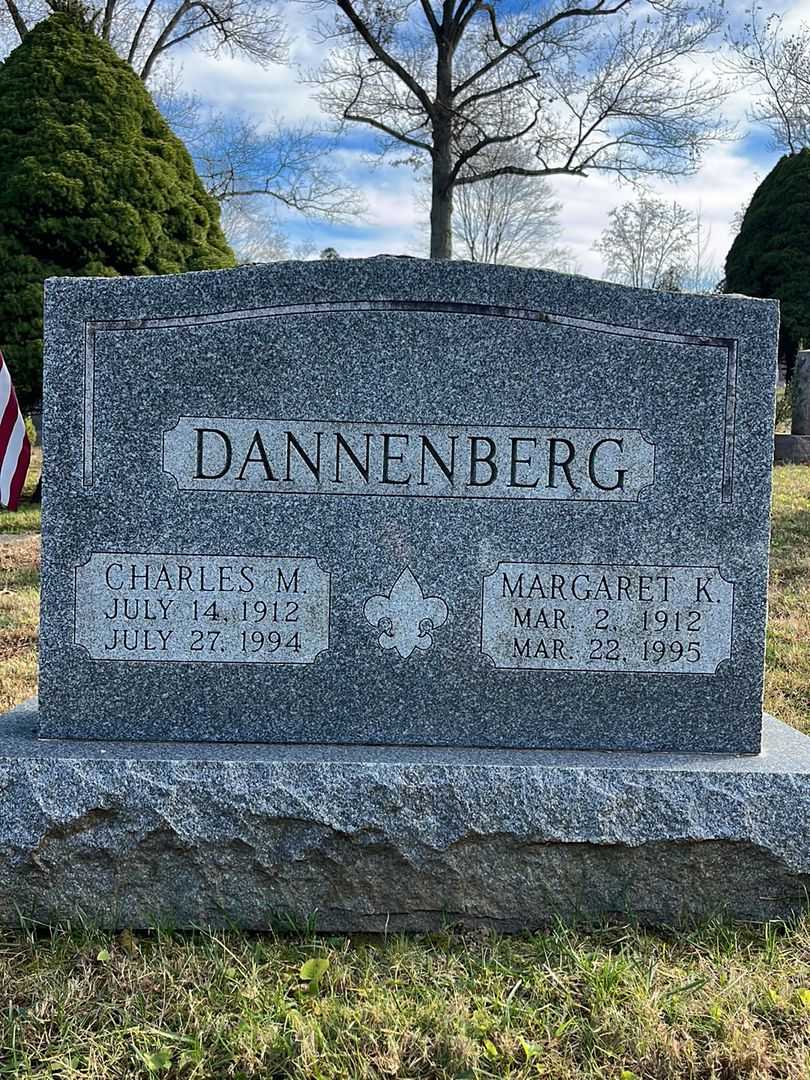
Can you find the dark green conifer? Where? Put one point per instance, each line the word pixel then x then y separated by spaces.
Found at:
pixel 92 182
pixel 770 256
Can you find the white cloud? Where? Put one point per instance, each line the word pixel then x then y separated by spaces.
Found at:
pixel 723 185
pixel 235 82
pixel 395 221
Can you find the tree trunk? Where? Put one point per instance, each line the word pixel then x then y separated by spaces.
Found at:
pixel 106 23
pixel 19 22
pixel 441 202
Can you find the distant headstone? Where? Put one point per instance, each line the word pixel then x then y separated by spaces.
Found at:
pixel 396 502
pixel 800 395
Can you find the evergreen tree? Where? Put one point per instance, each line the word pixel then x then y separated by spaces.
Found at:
pixel 770 256
pixel 92 183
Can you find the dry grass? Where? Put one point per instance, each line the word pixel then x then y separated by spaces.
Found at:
pixel 787 664
pixel 611 1004
pixel 19 595
pixel 19 618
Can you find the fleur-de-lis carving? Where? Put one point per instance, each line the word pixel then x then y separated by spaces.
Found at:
pixel 406 616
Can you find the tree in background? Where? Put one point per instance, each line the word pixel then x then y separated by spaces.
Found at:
pixel 143 32
pixel 775 64
pixel 244 162
pixel 256 237
pixel 702 273
pixel 770 256
pixel 646 244
pixel 509 219
pixel 237 157
pixel 586 86
pixel 92 183
pixel 654 244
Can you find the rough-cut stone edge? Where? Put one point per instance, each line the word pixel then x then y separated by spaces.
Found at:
pixel 400 838
pixel 791 449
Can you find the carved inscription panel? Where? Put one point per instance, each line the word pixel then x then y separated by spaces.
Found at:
pixel 569 617
pixel 341 457
pixel 202 608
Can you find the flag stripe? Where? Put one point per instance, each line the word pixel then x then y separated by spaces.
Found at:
pixel 20 474
pixel 5 385
pixel 10 414
pixel 10 459
pixel 15 449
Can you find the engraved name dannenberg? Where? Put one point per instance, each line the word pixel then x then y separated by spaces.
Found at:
pixel 297 457
pixel 202 608
pixel 568 617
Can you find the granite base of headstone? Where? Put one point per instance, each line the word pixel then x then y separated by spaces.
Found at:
pixel 385 594
pixel 791 449
pixel 794 449
pixel 397 838
pixel 800 395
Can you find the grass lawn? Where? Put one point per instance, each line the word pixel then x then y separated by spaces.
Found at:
pixel 720 1002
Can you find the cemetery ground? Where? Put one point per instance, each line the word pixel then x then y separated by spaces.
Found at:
pixel 716 1001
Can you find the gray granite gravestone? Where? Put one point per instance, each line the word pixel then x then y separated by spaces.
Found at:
pixel 800 395
pixel 396 502
pixel 795 448
pixel 451 577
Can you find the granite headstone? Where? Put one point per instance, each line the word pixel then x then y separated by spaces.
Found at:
pixel 406 503
pixel 800 394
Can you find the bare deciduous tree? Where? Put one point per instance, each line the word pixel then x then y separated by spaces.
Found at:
pixel 584 86
pixel 256 237
pixel 253 236
pixel 144 31
pixel 240 158
pixel 509 219
pixel 647 243
pixel 702 273
pixel 776 65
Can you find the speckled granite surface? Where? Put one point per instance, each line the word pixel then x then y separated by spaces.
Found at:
pixel 369 838
pixel 658 405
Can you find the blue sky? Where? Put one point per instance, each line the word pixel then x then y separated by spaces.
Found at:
pixel 394 222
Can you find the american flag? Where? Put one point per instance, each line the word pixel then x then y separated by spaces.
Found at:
pixel 15 449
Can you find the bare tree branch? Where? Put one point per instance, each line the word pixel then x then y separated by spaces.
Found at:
pixel 490 140
pixel 776 65
pixel 17 19
pixel 160 43
pixel 239 159
pixel 380 126
pixel 595 85
pixel 139 32
pixel 106 22
pixel 382 54
pixel 144 32
pixel 598 9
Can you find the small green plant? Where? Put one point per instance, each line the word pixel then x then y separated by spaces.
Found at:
pixel 157 1061
pixel 311 972
pixel 30 431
